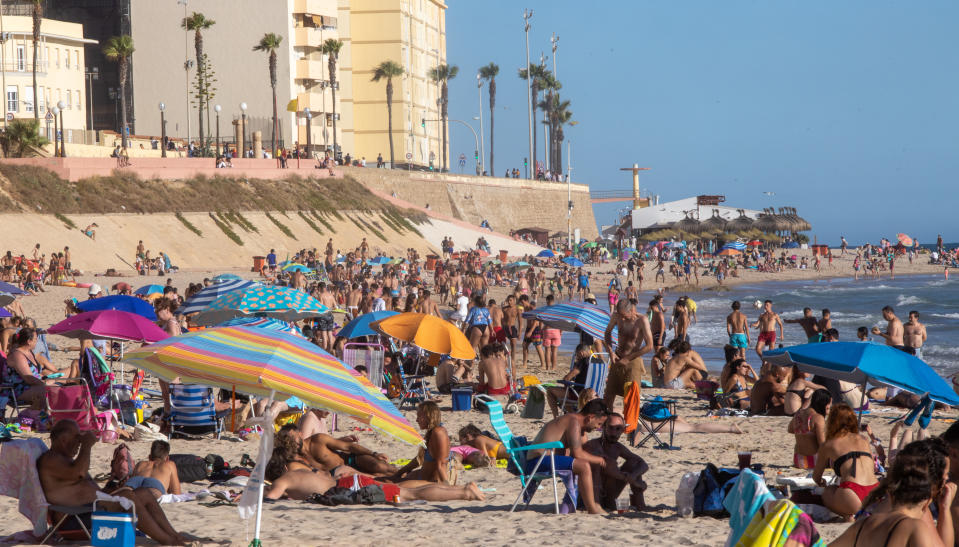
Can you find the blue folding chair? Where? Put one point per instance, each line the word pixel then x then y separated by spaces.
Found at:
pixel 193 410
pixel 516 448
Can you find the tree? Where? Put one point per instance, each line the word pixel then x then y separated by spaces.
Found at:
pixel 119 49
pixel 549 84
pixel 536 75
pixel 37 20
pixel 442 74
pixel 388 70
pixel 561 117
pixel 489 73
pixel 22 136
pixel 197 22
pixel 331 47
pixel 270 43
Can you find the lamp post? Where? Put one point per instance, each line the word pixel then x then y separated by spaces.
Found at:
pixel 479 93
pixel 217 109
pixel 309 131
pixel 527 15
pixel 243 128
pixel 63 137
pixel 56 132
pixel 162 108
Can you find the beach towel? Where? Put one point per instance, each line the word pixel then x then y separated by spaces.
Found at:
pixel 745 498
pixel 777 522
pixel 631 406
pixel 19 479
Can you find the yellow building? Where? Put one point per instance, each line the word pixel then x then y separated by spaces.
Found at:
pixel 60 74
pixel 413 34
pixel 314 22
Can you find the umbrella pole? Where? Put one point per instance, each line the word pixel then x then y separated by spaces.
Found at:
pixel 862 402
pixel 233 409
pixel 259 500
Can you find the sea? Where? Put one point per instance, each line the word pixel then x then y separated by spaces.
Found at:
pixel 853 304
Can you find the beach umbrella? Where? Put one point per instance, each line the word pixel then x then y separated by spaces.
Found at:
pixel 714 223
pixel 428 332
pixel 199 301
pixel 754 243
pixel 267 323
pixel 378 260
pixel 546 253
pixel 109 325
pixel 791 245
pixel 770 238
pixel 518 265
pixel 904 239
pixel 6 299
pixel 740 223
pixel 274 301
pixel 275 365
pixel 689 224
pixel 121 302
pixel 590 245
pixel 729 252
pixel 222 278
pixel 676 245
pixel 737 245
pixel 861 362
pixel 296 268
pixel 4 312
pixel 801 224
pixel 767 222
pixel 11 289
pixel 573 261
pixel 572 316
pixel 360 325
pixel 149 290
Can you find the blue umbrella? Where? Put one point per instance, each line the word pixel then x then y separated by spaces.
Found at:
pixel 120 302
pixel 147 290
pixel 858 362
pixel 11 289
pixel 791 245
pixel 199 301
pixel 572 316
pixel 546 253
pixel 573 261
pixel 736 245
pixel 5 313
pixel 296 268
pixel 226 277
pixel 360 325
pixel 378 260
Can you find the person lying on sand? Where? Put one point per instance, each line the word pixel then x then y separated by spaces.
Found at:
pixel 339 457
pixel 157 472
pixel 471 435
pixel 610 480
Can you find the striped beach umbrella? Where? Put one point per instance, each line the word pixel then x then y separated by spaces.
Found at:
pixel 267 323
pixel 735 245
pixel 571 316
pixel 296 268
pixel 223 278
pixel 199 301
pixel 263 301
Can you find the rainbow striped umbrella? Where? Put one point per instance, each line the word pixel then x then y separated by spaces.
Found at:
pixel 263 363
pixel 262 301
pixel 572 316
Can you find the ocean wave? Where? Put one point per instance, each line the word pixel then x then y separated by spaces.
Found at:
pixel 833 289
pixel 946 315
pixel 936 349
pixel 903 300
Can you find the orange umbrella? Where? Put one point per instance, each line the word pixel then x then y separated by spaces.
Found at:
pixel 730 252
pixel 428 332
pixel 904 239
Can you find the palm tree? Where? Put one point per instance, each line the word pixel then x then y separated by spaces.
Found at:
pixel 22 136
pixel 119 49
pixel 563 116
pixel 549 84
pixel 331 47
pixel 489 73
pixel 442 74
pixel 270 43
pixel 198 22
pixel 536 75
pixel 388 70
pixel 37 19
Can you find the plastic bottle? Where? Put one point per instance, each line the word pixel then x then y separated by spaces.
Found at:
pixel 684 494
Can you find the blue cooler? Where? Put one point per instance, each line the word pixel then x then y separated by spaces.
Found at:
pixel 462 398
pixel 112 529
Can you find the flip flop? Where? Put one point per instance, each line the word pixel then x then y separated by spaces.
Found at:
pixel 927 412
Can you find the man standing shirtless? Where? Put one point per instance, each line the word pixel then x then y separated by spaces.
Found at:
pixel 510 322
pixel 657 321
pixel 914 335
pixel 635 340
pixel 325 322
pixel 894 330
pixel 737 327
pixel 809 324
pixel 767 328
pixel 493 377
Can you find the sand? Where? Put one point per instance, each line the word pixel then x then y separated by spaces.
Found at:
pixel 489 522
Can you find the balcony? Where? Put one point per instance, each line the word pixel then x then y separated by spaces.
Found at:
pixel 307 6
pixel 309 70
pixel 309 37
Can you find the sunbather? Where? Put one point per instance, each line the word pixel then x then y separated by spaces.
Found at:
pixel 157 473
pixel 433 462
pixel 339 457
pixel 610 480
pixel 809 427
pixel 471 435
pixel 65 478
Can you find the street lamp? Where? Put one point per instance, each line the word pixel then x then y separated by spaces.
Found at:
pixel 309 136
pixel 162 108
pixel 56 132
pixel 63 141
pixel 527 15
pixel 479 93
pixel 243 127
pixel 217 109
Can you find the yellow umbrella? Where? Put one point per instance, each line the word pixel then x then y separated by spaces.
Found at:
pixel 428 332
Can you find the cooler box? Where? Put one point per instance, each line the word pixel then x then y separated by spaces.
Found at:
pixel 462 398
pixel 112 529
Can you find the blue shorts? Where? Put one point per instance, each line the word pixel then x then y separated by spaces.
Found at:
pixel 738 340
pixel 563 463
pixel 145 482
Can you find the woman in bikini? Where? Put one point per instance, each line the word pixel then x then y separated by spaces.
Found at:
pixel 850 455
pixel 471 435
pixel 735 385
pixel 799 392
pixel 434 465
pixel 917 478
pixel 809 427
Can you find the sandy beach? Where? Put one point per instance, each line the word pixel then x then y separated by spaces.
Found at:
pixel 488 522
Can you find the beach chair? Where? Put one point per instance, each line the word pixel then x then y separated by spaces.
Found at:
pixel 595 379
pixel 657 414
pixel 370 356
pixel 72 401
pixel 96 371
pixel 193 410
pixel 516 449
pixel 8 397
pixel 414 389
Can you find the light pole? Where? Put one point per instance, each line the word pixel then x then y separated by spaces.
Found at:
pixel 56 132
pixel 569 199
pixel 91 74
pixel 475 137
pixel 187 64
pixel 243 128
pixel 217 109
pixel 309 131
pixel 546 162
pixel 162 107
pixel 63 132
pixel 554 40
pixel 527 15
pixel 479 93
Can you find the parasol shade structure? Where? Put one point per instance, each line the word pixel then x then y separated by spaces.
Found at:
pixel 226 277
pixel 199 301
pixel 360 325
pixel 714 223
pixel 262 301
pixel 119 302
pixel 428 332
pixel 267 323
pixel 740 223
pixel 689 224
pixel 572 316
pixel 109 325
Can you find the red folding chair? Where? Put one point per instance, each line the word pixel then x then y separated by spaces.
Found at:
pixel 72 401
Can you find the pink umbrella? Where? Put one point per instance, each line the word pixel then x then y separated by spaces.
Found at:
pixel 110 324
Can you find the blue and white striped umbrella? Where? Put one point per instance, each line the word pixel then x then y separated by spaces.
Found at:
pixel 267 323
pixel 736 245
pixel 572 316
pixel 226 277
pixel 200 301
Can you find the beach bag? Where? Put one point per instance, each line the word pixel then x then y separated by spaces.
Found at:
pixel 708 494
pixel 190 468
pixel 535 403
pixel 121 466
pixel 655 409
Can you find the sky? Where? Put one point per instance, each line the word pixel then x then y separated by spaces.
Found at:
pixel 845 110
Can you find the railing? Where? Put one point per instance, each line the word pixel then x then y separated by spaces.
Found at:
pixel 26 66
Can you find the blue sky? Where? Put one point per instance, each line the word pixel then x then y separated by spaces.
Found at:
pixel 846 110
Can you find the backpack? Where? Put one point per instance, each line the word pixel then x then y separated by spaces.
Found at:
pixel 121 466
pixel 711 490
pixel 190 468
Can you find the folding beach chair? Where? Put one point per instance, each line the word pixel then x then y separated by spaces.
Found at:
pixel 370 356
pixel 657 414
pixel 414 389
pixel 8 397
pixel 96 371
pixel 72 401
pixel 516 448
pixel 193 410
pixel 595 379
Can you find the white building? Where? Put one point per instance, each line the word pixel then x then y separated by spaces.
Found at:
pixel 700 207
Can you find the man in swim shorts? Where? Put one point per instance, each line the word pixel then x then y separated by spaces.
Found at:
pixel 737 327
pixel 913 335
pixel 635 340
pixel 810 325
pixel 767 328
pixel 493 377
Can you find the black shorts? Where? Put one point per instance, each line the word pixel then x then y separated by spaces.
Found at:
pixel 512 333
pixel 657 340
pixel 325 322
pixel 482 328
pixel 908 349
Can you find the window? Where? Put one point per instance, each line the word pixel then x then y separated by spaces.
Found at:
pixel 57 51
pixel 76 54
pixel 28 98
pixel 13 100
pixel 79 103
pixel 69 100
pixel 42 100
pixel 46 56
pixel 21 59
pixel 66 59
